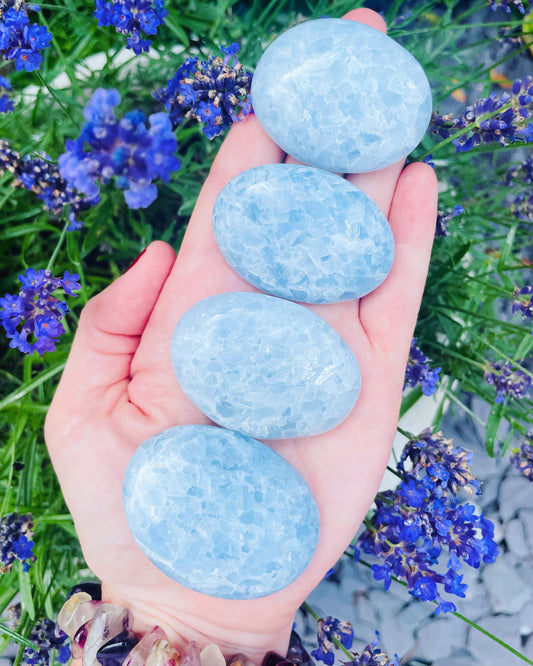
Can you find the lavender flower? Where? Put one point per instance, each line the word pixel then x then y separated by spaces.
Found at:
pixel 412 525
pixel 131 17
pixel 523 301
pixel 433 455
pixel 212 91
pixel 443 220
pixel 47 636
pixel 418 372
pixel 330 628
pixel 15 541
pixel 35 312
pixel 506 5
pixel 428 159
pixel 524 170
pixel 20 41
pixel 510 36
pixel 124 150
pixel 6 103
pixel 508 121
pixel 43 178
pixel 508 381
pixel 522 458
pixel 373 656
pixel 522 207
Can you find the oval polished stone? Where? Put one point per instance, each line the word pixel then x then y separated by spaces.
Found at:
pixel 219 512
pixel 264 366
pixel 342 96
pixel 302 233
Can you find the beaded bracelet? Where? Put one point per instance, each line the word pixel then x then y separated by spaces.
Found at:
pixel 101 635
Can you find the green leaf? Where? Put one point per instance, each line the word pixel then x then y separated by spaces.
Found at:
pixel 410 399
pixel 31 386
pixel 524 347
pixel 10 635
pixel 25 592
pixel 507 442
pixel 493 424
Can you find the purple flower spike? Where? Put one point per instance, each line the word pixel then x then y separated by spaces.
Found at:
pixel 508 381
pixel 16 543
pixel 46 636
pixel 35 312
pixel 131 17
pixel 506 5
pixel 523 301
pixel 21 42
pixel 330 628
pixel 522 458
pixel 413 524
pixel 215 92
pixel 493 119
pixel 125 151
pixel 523 171
pixel 70 283
pixel 441 228
pixel 43 178
pixel 419 372
pixel 6 103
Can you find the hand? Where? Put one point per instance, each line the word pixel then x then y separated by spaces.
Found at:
pixel 118 389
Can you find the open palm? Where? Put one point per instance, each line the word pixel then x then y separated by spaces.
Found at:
pixel 118 389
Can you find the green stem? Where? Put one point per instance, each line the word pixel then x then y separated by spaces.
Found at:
pixel 454 398
pixel 493 637
pixel 28 388
pixel 393 10
pixel 58 8
pixel 53 93
pixel 501 354
pixel 311 612
pixel 451 352
pixel 466 14
pixel 14 438
pixel 268 10
pixel 394 471
pixel 446 309
pixel 368 525
pixel 405 433
pixel 57 247
pixel 17 637
pixel 52 519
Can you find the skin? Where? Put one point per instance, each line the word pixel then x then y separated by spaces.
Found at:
pixel 118 389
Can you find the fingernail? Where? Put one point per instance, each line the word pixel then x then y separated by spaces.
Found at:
pixel 136 259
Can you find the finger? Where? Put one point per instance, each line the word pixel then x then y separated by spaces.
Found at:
pixel 379 185
pixel 368 16
pixel 200 269
pixel 389 313
pixel 111 325
pixel 246 146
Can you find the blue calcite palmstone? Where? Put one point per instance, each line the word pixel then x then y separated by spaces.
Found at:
pixel 341 96
pixel 219 512
pixel 263 366
pixel 302 233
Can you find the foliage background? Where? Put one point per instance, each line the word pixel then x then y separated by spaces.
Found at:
pixel 465 320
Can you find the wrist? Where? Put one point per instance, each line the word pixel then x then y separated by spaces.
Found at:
pixel 117 631
pixel 229 632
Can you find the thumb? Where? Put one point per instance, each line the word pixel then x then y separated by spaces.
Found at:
pixel 108 335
